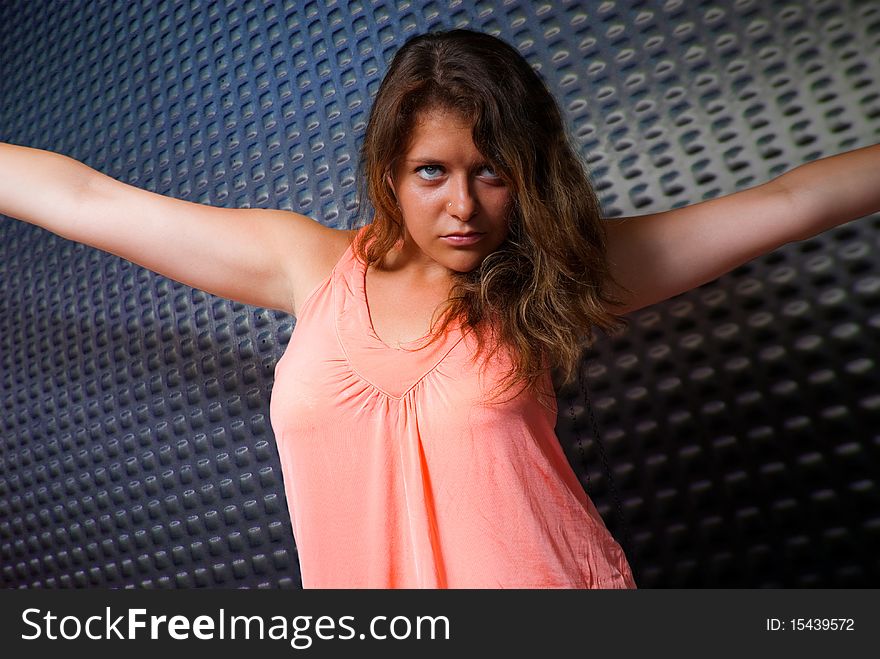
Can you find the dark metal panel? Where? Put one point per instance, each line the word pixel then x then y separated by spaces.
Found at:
pixel 740 418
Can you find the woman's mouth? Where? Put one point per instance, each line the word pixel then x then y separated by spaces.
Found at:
pixel 461 240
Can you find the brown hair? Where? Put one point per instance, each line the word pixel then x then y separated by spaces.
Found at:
pixel 542 291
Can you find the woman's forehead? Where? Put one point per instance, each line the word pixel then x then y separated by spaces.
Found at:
pixel 439 131
pixel 443 115
pixel 438 125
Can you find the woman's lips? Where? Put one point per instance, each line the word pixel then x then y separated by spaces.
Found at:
pixel 463 240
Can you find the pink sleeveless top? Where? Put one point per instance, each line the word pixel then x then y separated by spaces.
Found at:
pixel 397 477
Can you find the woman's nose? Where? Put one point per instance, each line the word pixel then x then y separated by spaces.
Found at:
pixel 462 203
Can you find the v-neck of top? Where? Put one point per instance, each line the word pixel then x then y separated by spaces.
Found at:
pixel 393 370
pixel 409 345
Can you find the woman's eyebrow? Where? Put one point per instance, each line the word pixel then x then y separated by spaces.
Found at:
pixel 430 159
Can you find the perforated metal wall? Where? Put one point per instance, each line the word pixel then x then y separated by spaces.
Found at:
pixel 740 418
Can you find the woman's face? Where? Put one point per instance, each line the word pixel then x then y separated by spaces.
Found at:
pixel 445 186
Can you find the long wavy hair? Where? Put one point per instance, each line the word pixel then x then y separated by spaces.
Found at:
pixel 541 293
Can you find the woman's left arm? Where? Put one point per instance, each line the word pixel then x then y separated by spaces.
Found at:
pixel 660 255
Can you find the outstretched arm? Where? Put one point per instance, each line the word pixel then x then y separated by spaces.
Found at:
pixel 660 255
pixel 255 256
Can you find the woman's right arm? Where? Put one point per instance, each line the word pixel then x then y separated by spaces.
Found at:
pixel 255 256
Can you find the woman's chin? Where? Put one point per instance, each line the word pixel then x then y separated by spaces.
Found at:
pixel 465 267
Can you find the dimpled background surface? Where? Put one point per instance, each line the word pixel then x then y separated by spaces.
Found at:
pixel 740 418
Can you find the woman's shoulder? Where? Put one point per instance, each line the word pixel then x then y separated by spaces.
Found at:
pixel 340 239
pixel 317 263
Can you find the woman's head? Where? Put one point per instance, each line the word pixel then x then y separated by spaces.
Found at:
pixel 542 276
pixel 443 185
pixel 484 84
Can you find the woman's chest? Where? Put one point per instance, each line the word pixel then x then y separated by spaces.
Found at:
pixel 400 314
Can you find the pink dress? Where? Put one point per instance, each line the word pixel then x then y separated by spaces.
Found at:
pixel 397 477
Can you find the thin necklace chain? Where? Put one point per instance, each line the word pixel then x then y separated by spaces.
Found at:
pixel 587 404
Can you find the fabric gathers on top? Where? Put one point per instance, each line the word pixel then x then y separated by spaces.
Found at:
pixel 396 475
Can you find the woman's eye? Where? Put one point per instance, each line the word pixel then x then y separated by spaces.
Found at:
pixel 424 167
pixel 493 176
pixel 432 172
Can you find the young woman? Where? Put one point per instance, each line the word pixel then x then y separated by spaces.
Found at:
pixel 413 408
